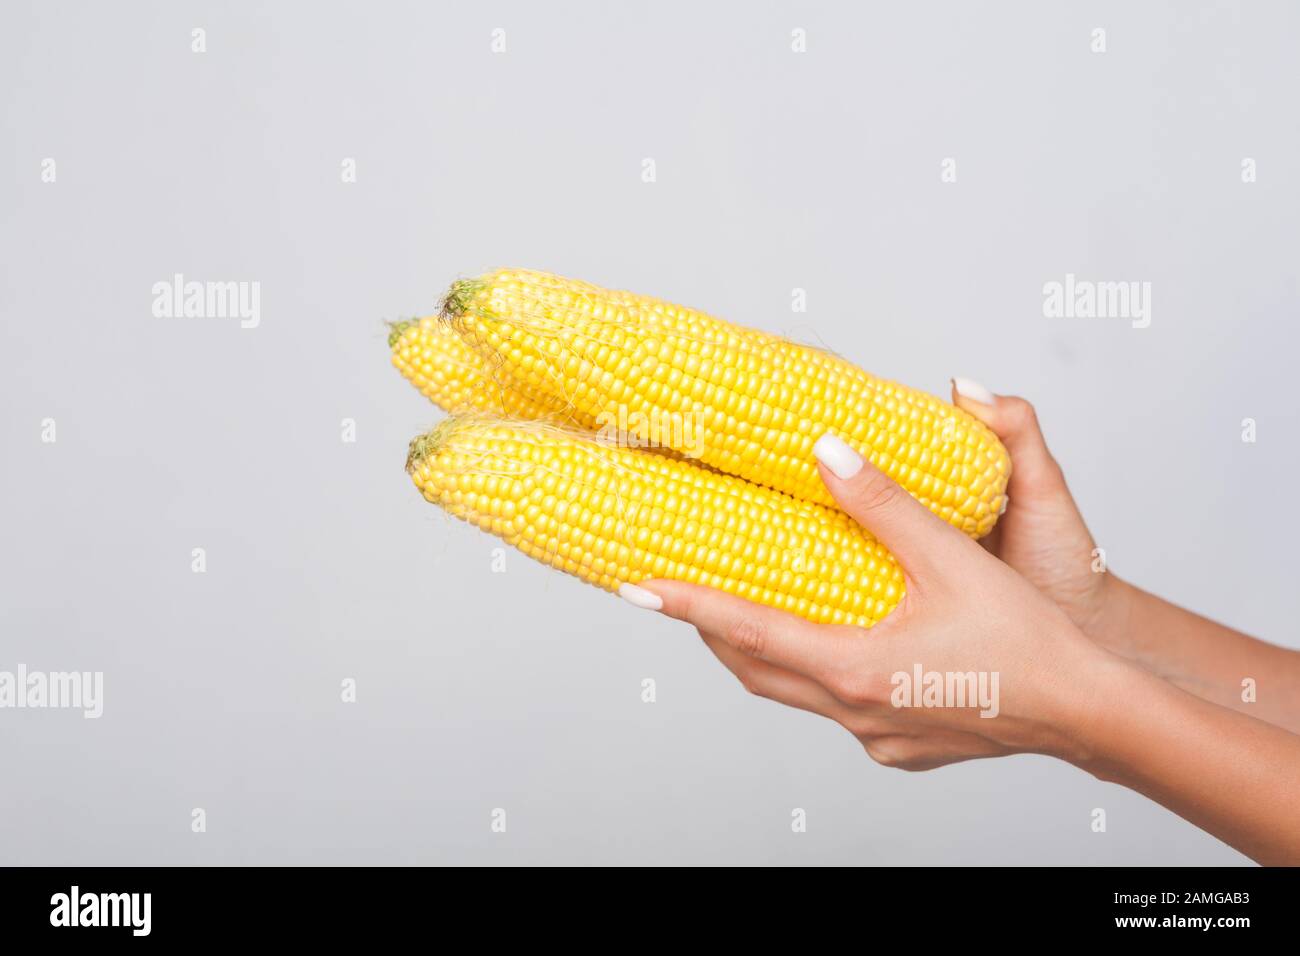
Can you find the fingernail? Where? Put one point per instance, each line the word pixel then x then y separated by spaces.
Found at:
pixel 640 597
pixel 842 460
pixel 969 388
pixel 1006 500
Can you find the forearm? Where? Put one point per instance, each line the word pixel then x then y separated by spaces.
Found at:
pixel 1235 777
pixel 1202 657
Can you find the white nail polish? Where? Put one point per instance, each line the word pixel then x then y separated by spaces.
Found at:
pixel 1006 500
pixel 969 388
pixel 842 460
pixel 640 597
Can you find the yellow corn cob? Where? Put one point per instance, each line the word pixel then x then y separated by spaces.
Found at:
pixel 753 403
pixel 433 358
pixel 613 515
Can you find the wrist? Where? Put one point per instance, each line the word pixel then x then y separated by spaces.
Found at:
pixel 1078 677
pixel 1099 715
pixel 1110 624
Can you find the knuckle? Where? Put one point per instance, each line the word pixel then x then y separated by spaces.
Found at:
pixel 1021 413
pixel 897 754
pixel 684 607
pixel 857 689
pixel 748 635
pixel 878 491
pixel 841 684
pixel 866 728
pixel 1053 471
pixel 914 764
pixel 882 752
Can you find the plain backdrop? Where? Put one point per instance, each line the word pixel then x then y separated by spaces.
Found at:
pixel 775 171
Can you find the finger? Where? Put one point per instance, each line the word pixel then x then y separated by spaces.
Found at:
pixel 917 538
pixel 774 683
pixel 1014 421
pixel 928 752
pixel 754 630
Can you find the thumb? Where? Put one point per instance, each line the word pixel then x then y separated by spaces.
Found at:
pixel 1034 472
pixel 920 540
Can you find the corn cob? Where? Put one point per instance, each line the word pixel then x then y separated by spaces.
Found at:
pixel 612 515
pixel 433 358
pixel 755 403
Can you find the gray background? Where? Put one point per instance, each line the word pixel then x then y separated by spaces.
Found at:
pixel 775 171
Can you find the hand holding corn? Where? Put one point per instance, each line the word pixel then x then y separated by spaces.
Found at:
pixel 572 373
pixel 779 584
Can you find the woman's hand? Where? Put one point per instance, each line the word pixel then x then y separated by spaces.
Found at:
pixel 1021 665
pixel 1042 534
pixel 968 616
